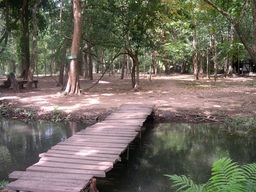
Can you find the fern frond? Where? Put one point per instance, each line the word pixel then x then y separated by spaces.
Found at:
pixel 250 175
pixel 183 183
pixel 227 176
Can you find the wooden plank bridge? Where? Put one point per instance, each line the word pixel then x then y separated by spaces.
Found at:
pixel 70 165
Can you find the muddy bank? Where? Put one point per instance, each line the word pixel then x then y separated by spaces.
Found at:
pixel 14 111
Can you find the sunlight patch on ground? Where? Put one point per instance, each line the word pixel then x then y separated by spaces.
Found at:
pixel 240 79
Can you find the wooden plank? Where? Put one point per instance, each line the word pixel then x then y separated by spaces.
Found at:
pixel 81 149
pixel 86 154
pixel 135 110
pixel 115 125
pixel 92 153
pixel 115 129
pixel 76 161
pixel 126 116
pixel 95 167
pixel 66 182
pixel 125 122
pixel 95 173
pixel 38 186
pixel 109 133
pixel 90 144
pixel 103 137
pixel 68 156
pixel 95 140
pixel 28 174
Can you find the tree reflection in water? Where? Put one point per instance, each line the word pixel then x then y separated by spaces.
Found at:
pixel 21 143
pixel 188 149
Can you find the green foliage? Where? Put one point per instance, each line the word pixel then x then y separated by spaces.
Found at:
pixel 240 125
pixel 58 116
pixel 183 183
pixel 3 183
pixel 227 176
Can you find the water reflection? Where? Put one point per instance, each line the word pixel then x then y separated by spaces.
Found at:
pixel 21 143
pixel 188 149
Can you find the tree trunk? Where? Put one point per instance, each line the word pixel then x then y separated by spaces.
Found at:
pixel 62 63
pixel 135 71
pixel 25 54
pixel 214 54
pixel 154 63
pixel 73 86
pixel 195 54
pixel 201 69
pixel 207 64
pixel 124 66
pixel 102 67
pixel 34 48
pixel 90 64
pixel 86 66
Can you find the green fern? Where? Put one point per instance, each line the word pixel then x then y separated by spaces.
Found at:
pixel 249 171
pixel 184 183
pixel 227 176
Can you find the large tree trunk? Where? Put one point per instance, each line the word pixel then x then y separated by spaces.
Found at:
pixel 73 86
pixel 25 54
pixel 34 50
pixel 135 74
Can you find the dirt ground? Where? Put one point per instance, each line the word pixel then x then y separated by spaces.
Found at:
pixel 176 97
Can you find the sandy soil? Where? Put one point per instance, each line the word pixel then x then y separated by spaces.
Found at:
pixel 176 97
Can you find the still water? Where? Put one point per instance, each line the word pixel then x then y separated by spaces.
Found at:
pixel 21 143
pixel 168 148
pixel 188 149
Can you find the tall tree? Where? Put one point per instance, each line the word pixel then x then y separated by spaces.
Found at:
pixel 73 86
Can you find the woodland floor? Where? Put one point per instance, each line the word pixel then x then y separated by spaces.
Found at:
pixel 176 97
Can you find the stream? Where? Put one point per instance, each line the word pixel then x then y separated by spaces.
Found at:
pixel 167 148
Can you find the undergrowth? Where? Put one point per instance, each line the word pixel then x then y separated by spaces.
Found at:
pixel 3 183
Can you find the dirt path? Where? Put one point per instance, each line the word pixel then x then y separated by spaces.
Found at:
pixel 176 97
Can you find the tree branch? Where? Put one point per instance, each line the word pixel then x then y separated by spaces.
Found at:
pixel 223 12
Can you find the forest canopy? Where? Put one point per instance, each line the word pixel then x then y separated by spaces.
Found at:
pixel 203 37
